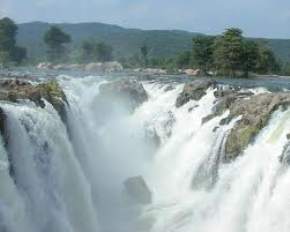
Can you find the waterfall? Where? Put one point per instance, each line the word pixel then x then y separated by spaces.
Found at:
pixel 58 175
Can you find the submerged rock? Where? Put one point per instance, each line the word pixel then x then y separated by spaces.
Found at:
pixel 194 90
pixel 130 92
pixel 138 191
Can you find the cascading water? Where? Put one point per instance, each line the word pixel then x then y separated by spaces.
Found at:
pixel 68 176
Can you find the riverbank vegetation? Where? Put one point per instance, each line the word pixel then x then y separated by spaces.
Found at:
pixel 228 54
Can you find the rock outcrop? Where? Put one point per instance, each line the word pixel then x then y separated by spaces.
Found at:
pixel 129 92
pixel 106 67
pixel 255 113
pixel 137 190
pixel 194 90
pixel 14 90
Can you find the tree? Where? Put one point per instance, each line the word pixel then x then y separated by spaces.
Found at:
pixel 267 62
pixel 55 39
pixel 144 53
pixel 19 54
pixel 250 57
pixel 9 52
pixel 202 52
pixel 104 52
pixel 183 59
pixel 93 51
pixel 228 52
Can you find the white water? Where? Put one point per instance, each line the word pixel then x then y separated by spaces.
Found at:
pixel 70 177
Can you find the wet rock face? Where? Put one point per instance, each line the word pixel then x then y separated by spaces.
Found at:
pixel 255 113
pixel 138 191
pixel 130 92
pixel 194 91
pixel 15 90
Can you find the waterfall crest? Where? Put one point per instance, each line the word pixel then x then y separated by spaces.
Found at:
pixel 67 173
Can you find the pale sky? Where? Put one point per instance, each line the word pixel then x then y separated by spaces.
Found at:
pixel 257 18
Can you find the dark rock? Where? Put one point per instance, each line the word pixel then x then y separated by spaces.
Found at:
pixel 288 136
pixel 168 88
pixel 130 92
pixel 138 191
pixel 194 91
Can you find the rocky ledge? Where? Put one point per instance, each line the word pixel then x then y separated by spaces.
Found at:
pixel 194 90
pixel 254 112
pixel 15 90
pixel 127 91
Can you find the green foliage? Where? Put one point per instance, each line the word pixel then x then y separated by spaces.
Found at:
pixel 250 57
pixel 184 59
pixel 267 63
pixel 55 39
pixel 144 53
pixel 9 52
pixel 93 51
pixel 202 52
pixel 228 52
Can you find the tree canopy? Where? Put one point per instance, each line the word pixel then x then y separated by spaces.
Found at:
pixel 55 39
pixel 9 52
pixel 92 51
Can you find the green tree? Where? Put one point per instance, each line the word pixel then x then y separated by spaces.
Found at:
pixel 228 52
pixel 9 52
pixel 250 57
pixel 202 52
pixel 183 59
pixel 55 39
pixel 104 52
pixel 267 62
pixel 93 51
pixel 144 52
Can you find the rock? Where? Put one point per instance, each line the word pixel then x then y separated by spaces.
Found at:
pixel 255 112
pixel 130 92
pixel 192 72
pixel 225 99
pixel 15 90
pixel 194 90
pixel 106 67
pixel 138 191
pixel 288 136
pixel 44 65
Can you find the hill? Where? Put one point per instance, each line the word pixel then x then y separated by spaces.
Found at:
pixel 126 42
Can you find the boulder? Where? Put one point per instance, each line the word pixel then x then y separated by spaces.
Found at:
pixel 194 90
pixel 137 190
pixel 255 113
pixel 130 92
pixel 104 67
pixel 192 72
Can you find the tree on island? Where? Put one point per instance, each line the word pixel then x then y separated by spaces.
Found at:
pixel 93 51
pixel 9 52
pixel 202 52
pixel 55 39
pixel 228 52
pixel 250 57
pixel 267 62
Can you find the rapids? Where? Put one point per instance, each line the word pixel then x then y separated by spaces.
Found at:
pixel 68 176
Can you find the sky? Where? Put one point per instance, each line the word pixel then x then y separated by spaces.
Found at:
pixel 257 18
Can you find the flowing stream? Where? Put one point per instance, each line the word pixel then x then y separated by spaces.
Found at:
pixel 68 177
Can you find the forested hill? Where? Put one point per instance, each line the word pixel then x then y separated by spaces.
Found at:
pixel 126 42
